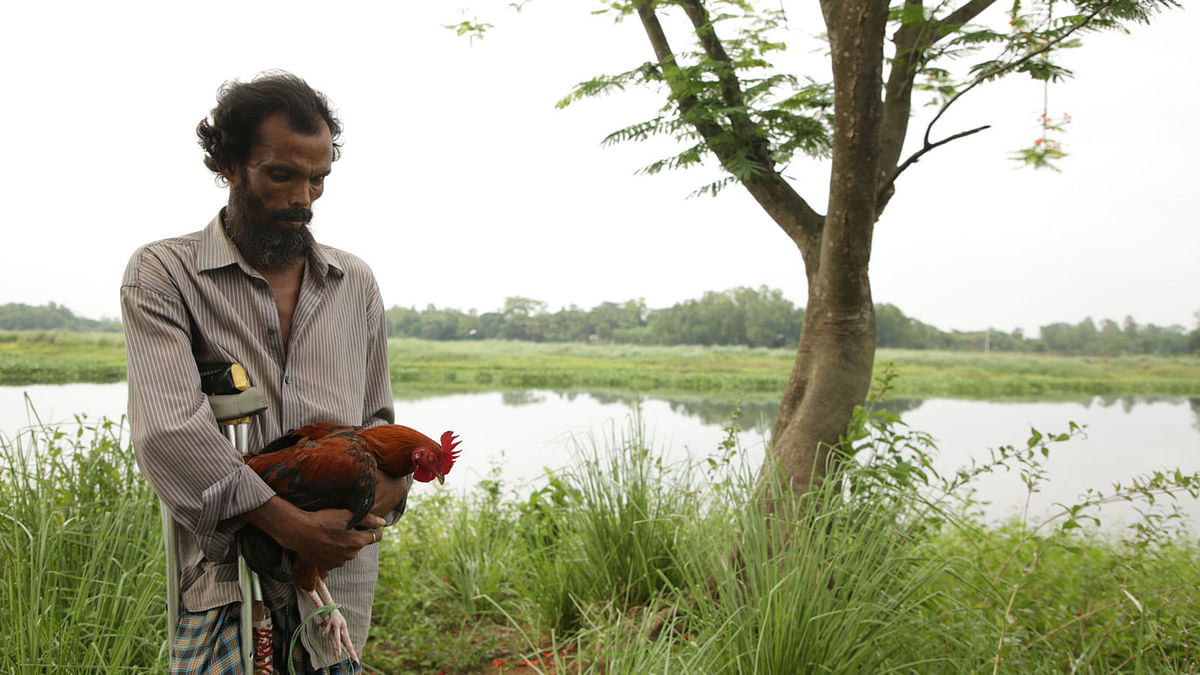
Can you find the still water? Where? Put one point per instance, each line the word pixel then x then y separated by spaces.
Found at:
pixel 513 436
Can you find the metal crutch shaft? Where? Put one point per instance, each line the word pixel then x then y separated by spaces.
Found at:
pixel 233 401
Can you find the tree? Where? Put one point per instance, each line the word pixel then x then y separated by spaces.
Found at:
pixel 1194 339
pixel 894 329
pixel 520 319
pixel 725 100
pixel 771 319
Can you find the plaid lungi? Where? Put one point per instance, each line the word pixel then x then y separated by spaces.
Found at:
pixel 206 643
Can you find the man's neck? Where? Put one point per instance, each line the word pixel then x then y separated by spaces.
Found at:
pixel 285 286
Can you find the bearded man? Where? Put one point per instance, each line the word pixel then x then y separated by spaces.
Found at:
pixel 307 323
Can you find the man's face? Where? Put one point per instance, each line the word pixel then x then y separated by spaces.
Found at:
pixel 271 195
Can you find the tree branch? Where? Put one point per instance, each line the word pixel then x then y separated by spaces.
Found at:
pixel 999 70
pixel 962 15
pixel 883 190
pixel 777 197
pixel 666 58
pixel 744 128
pixel 897 100
pixel 911 41
pixel 945 27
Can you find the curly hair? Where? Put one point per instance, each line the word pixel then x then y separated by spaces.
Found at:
pixel 242 106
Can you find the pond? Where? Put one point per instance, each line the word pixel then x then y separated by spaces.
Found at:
pixel 513 436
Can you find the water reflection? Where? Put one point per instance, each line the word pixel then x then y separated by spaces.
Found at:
pixel 899 406
pixel 513 435
pixel 753 412
pixel 516 398
pixel 713 410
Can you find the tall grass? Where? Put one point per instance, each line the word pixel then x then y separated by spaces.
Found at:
pixel 82 582
pixel 607 533
pixel 883 570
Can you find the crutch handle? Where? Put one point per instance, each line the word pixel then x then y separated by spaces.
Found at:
pixel 222 378
pixel 230 395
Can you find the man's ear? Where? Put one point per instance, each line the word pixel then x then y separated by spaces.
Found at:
pixel 230 174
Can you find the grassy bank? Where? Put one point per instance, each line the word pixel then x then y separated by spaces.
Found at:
pixel 879 577
pixel 57 357
pixel 41 357
pixel 501 365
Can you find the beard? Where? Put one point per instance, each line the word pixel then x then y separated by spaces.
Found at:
pixel 262 235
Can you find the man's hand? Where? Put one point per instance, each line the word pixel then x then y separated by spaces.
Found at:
pixel 326 543
pixel 319 537
pixel 389 492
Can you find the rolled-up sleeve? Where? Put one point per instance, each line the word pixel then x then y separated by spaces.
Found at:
pixel 195 471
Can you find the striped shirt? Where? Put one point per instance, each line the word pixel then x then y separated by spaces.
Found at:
pixel 194 299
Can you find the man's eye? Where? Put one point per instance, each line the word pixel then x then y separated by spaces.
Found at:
pixel 316 181
pixel 280 176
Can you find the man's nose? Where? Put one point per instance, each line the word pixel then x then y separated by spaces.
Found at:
pixel 302 195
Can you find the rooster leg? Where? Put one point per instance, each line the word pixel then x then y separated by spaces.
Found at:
pixel 333 624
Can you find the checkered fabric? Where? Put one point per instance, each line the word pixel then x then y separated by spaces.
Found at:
pixel 207 644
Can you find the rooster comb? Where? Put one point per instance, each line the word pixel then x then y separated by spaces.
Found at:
pixel 449 453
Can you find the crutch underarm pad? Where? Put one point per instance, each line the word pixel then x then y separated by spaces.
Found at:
pixel 233 406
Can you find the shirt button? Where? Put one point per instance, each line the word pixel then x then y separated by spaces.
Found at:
pixel 287 379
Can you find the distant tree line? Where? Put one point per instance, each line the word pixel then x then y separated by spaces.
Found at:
pixel 17 316
pixel 742 316
pixel 759 317
pixel 764 318
pixel 1110 338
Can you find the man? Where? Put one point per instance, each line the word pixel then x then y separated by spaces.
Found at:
pixel 307 323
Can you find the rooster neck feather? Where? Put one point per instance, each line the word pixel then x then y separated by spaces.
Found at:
pixel 393 446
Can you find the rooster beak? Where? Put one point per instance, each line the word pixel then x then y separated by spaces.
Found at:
pixel 441 478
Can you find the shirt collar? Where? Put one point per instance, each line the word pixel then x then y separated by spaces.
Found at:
pixel 217 251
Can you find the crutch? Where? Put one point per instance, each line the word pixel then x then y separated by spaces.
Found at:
pixel 233 403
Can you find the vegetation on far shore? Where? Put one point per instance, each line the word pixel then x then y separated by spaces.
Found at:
pixel 48 357
pixel 508 364
pixel 748 317
pixel 59 357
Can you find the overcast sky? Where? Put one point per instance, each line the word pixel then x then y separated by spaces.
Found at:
pixel 461 184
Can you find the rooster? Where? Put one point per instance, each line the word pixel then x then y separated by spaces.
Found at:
pixel 328 466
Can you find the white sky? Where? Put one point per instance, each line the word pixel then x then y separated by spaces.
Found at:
pixel 461 184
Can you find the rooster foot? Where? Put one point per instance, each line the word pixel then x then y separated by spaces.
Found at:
pixel 333 624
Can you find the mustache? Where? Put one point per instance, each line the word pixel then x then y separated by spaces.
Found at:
pixel 297 213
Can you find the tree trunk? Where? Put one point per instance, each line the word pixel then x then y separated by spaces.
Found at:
pixel 832 373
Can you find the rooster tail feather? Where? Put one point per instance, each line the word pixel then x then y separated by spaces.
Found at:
pixel 312 432
pixel 284 441
pixel 263 554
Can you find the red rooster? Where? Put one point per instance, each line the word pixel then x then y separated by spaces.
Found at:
pixel 327 466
